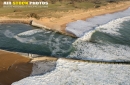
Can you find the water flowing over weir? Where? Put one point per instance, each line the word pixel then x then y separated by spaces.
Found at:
pixel 27 39
pixel 102 38
pixel 80 27
pixel 108 42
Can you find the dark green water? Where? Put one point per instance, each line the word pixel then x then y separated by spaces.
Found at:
pixel 123 38
pixel 28 39
pixel 109 42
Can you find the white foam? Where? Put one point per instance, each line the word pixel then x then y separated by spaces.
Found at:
pixel 31 32
pixel 9 34
pixel 56 45
pixel 30 37
pixel 88 35
pixel 41 67
pixel 79 28
pixel 108 52
pixel 31 40
pixel 69 72
pixel 113 27
pixel 105 52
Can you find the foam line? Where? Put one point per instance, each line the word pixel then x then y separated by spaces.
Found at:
pixel 113 27
pixel 30 32
pixel 105 52
pixel 9 34
pixel 80 27
pixel 30 40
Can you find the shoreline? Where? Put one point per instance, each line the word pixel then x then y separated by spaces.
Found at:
pixel 60 24
pixel 54 24
pixel 32 22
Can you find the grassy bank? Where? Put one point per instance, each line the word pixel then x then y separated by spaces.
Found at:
pixel 54 6
pixel 58 14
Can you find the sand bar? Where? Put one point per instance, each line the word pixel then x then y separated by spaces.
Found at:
pixel 59 24
pixel 13 67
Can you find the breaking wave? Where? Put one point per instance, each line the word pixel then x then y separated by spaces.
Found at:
pixel 112 28
pixel 108 42
pixel 80 27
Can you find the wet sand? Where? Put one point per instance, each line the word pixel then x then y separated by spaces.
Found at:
pixel 13 67
pixel 59 24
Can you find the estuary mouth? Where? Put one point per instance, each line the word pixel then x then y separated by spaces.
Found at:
pixel 33 41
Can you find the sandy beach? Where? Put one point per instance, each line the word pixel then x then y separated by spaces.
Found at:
pixel 59 24
pixel 13 67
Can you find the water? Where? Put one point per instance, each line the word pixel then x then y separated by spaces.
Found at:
pixel 108 42
pixel 108 39
pixel 80 27
pixel 28 39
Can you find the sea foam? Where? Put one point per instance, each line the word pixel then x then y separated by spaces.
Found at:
pixel 100 52
pixel 80 27
pixel 86 50
pixel 113 27
pixel 69 72
pixel 30 32
pixel 29 40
